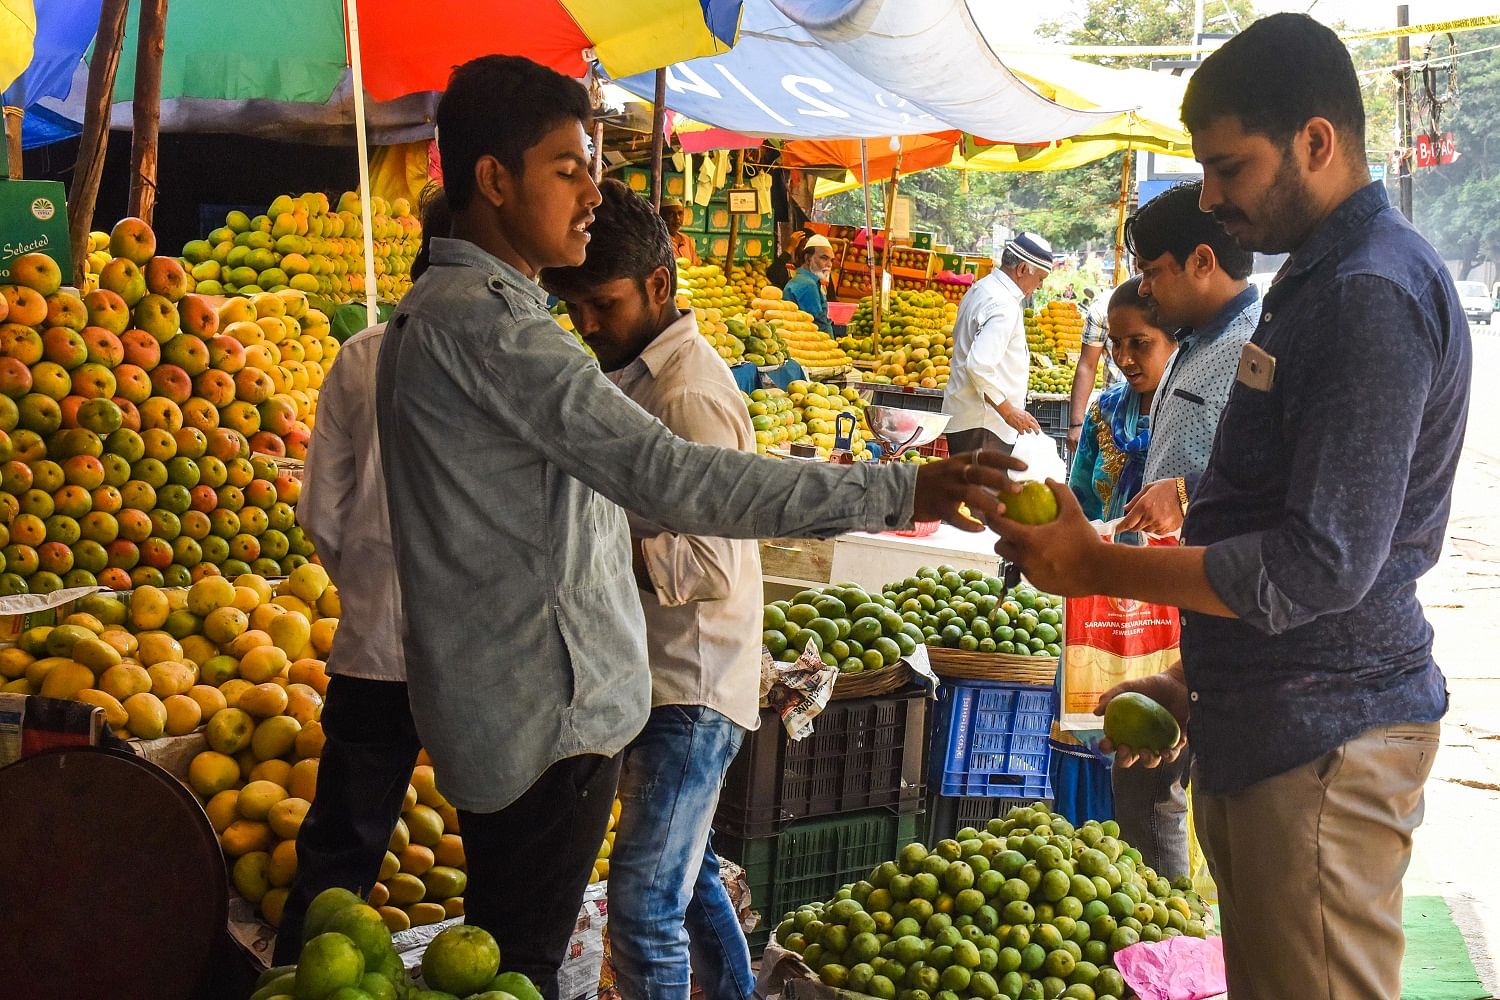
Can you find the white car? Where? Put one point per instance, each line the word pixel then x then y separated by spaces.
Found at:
pixel 1476 301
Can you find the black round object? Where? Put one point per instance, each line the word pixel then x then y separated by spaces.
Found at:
pixel 112 883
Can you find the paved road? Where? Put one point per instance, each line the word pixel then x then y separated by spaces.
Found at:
pixel 1455 846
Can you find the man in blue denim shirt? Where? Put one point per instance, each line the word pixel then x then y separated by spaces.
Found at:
pixel 1307 674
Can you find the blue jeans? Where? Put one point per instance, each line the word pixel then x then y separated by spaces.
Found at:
pixel 1151 808
pixel 669 915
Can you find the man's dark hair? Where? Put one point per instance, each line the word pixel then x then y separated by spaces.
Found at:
pixel 1274 76
pixel 437 220
pixel 1009 259
pixel 500 106
pixel 627 240
pixel 1173 223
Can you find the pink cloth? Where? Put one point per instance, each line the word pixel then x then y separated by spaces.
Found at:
pixel 1180 968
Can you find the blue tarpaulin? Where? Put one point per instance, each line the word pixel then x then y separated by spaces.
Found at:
pixel 64 31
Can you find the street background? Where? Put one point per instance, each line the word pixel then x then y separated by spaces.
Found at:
pixel 1456 844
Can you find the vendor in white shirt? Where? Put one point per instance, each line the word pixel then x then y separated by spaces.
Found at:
pixel 986 394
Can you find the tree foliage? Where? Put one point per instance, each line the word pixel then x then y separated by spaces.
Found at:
pixel 1075 209
pixel 1458 205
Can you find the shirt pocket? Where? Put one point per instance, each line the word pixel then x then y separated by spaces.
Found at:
pixel 1248 447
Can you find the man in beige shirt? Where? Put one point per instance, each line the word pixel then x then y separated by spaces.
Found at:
pixel 670 916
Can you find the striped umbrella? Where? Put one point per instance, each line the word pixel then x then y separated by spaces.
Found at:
pixel 260 66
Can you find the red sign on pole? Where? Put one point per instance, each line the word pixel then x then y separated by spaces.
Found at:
pixel 1434 150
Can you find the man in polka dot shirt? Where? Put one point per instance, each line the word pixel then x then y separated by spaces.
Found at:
pixel 1194 274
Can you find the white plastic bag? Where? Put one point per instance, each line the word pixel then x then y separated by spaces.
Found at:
pixel 1041 458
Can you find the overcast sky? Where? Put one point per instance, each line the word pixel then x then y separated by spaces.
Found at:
pixel 1357 13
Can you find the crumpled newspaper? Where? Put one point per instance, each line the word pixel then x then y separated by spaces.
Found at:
pixel 1179 968
pixel 797 691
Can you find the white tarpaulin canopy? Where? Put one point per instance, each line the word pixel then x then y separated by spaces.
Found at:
pixel 858 69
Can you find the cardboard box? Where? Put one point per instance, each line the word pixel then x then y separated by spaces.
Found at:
pixel 34 219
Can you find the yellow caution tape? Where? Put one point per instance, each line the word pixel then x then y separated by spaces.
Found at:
pixel 1436 28
pixel 1431 28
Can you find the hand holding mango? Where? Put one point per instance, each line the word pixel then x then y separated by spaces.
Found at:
pixel 1035 504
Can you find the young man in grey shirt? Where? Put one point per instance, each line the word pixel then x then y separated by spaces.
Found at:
pixel 509 461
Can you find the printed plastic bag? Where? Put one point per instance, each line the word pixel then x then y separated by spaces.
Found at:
pixel 1107 640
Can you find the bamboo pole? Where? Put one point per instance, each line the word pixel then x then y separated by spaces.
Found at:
pixel 658 136
pixel 83 195
pixel 598 163
pixel 13 117
pixel 145 108
pixel 734 220
pixel 1120 224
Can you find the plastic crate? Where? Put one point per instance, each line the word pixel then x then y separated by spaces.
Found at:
pixel 937 448
pixel 864 753
pixel 990 739
pixel 1060 439
pixel 947 814
pixel 1052 414
pixel 810 861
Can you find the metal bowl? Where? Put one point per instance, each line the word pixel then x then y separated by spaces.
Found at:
pixel 903 429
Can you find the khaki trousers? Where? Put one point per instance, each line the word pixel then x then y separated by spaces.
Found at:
pixel 1309 867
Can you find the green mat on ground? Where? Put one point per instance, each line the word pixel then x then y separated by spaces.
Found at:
pixel 1437 965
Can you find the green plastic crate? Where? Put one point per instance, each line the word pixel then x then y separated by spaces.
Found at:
pixel 811 860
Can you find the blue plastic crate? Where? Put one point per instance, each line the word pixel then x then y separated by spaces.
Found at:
pixel 990 739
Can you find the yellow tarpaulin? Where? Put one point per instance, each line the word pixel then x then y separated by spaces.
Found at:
pixel 17 39
pixel 1153 125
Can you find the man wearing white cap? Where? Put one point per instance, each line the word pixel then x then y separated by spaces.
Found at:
pixel 674 214
pixel 814 265
pixel 986 394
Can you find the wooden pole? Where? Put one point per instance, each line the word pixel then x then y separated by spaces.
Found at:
pixel 596 98
pixel 84 192
pixel 598 164
pixel 13 116
pixel 658 136
pixel 864 175
pixel 145 108
pixel 734 220
pixel 1120 271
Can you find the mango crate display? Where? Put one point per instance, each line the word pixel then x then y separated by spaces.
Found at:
pixel 140 424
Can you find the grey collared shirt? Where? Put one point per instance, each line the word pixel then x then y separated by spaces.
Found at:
pixel 508 457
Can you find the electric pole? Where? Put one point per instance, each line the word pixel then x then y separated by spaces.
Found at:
pixel 1403 100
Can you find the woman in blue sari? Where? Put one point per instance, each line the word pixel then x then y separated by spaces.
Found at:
pixel 1106 475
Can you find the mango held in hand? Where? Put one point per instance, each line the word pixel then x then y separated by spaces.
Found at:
pixel 1136 721
pixel 1035 504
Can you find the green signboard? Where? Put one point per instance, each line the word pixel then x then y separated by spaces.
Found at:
pixel 33 219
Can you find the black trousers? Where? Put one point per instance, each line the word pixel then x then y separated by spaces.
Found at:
pixel 529 864
pixel 370 749
pixel 977 439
